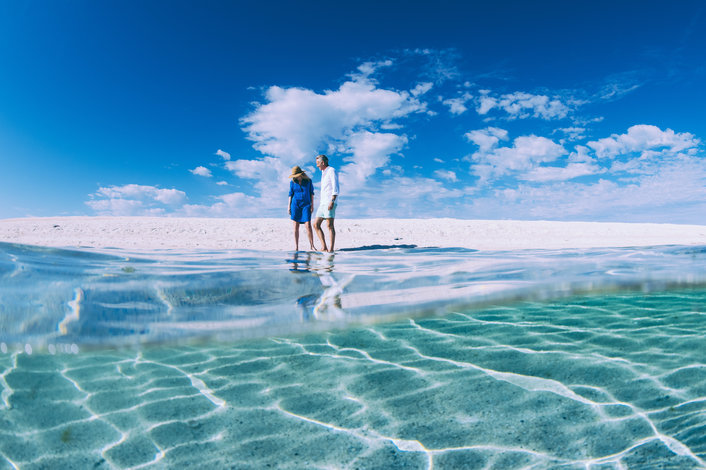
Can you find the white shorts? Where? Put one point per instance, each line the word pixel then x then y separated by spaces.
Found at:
pixel 323 211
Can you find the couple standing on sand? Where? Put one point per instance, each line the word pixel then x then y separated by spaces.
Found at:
pixel 301 202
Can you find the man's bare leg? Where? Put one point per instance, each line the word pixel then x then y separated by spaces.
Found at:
pixel 320 233
pixel 332 233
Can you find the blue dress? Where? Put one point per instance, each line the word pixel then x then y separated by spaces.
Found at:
pixel 301 200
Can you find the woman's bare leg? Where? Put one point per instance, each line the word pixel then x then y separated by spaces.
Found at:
pixel 296 235
pixel 310 233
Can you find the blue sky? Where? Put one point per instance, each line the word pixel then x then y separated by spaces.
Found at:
pixel 488 110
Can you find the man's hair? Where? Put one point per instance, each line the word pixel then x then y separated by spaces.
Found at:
pixel 324 158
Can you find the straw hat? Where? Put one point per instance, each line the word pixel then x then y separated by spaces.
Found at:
pixel 297 172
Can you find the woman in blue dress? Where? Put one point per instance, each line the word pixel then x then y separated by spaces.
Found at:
pixel 301 203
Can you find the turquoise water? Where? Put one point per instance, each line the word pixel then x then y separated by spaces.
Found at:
pixel 382 357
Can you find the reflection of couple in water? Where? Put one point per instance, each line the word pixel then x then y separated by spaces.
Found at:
pixel 301 203
pixel 319 304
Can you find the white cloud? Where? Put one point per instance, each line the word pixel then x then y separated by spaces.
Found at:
pixel 458 105
pixel 485 102
pixel 144 193
pixel 224 155
pixel 579 163
pixel 447 175
pixel 523 105
pixel 421 89
pixel 268 168
pixel 616 86
pixel 526 153
pixel 222 183
pixel 391 170
pixel 573 133
pixel 134 199
pixel 487 138
pixel 370 151
pixel 645 138
pixel 663 178
pixel 644 150
pixel 201 171
pixel 556 173
pixel 402 197
pixel 230 205
pixel 415 190
pixel 676 194
pixel 267 173
pixel 367 69
pixel 295 123
pixel 170 196
pixel 438 65
pixel 117 207
pixel 355 125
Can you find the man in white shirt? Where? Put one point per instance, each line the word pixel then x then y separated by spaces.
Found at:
pixel 327 206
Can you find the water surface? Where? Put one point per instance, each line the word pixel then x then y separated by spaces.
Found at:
pixel 376 358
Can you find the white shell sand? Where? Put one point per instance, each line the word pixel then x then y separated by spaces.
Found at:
pixel 146 233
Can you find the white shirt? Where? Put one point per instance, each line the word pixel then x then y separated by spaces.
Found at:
pixel 329 185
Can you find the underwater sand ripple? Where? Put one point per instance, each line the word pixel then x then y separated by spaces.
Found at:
pixel 588 382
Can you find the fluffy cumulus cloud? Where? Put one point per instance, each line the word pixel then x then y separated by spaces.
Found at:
pixel 202 171
pixel 457 105
pixel 644 174
pixel 367 69
pixel 676 194
pixel 579 163
pixel 525 154
pixel 642 150
pixel 648 140
pixel 134 199
pixel 356 123
pixel 521 105
pixel 447 175
pixel 560 173
pixel 295 123
pixel 573 133
pixel 224 155
pixel 137 200
pixel 227 205
pixel 421 88
pixel 488 138
pixel 267 173
pixel 368 152
pixel 402 196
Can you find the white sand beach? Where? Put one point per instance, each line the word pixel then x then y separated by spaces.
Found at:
pixel 147 233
